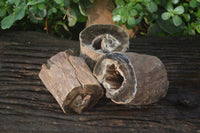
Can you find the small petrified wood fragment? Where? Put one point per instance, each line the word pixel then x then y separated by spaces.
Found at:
pixel 132 78
pixel 96 40
pixel 70 81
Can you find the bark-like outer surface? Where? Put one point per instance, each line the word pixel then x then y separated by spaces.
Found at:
pixel 71 82
pixel 87 36
pixel 144 78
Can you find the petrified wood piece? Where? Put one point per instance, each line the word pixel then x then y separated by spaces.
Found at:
pixel 96 40
pixel 70 81
pixel 101 13
pixel 132 78
pixel 26 105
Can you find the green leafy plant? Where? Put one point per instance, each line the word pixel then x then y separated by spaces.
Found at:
pixel 45 12
pixel 167 17
pixel 174 13
pixel 131 12
pixel 17 13
pixel 158 17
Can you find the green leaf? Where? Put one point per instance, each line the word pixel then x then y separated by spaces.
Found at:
pixel 186 5
pixel 11 1
pixel 179 10
pixel 2 12
pixel 59 1
pixel 63 10
pixel 116 11
pixel 124 12
pixel 193 24
pixel 175 1
pixel 157 2
pixel 133 12
pixel 152 7
pixel 186 17
pixel 2 2
pixel 7 22
pixel 119 23
pixel 41 6
pixel 130 5
pixel 191 11
pixel 189 30
pixel 66 3
pixel 82 9
pixel 138 20
pixel 177 20
pixel 198 28
pixel 49 12
pixel 193 3
pixel 17 2
pixel 116 18
pixel 169 7
pixel 19 13
pixel 131 22
pixel 42 13
pixel 166 15
pixel 54 10
pixel 124 19
pixel 146 20
pixel 34 2
pixel 62 24
pixel 72 18
pixel 33 9
pixel 81 18
pixel 169 27
pixel 120 2
pixel 138 7
pixel 198 13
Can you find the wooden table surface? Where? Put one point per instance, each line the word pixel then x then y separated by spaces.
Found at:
pixel 27 106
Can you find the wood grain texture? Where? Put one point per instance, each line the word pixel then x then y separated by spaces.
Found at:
pixel 132 78
pixel 27 106
pixel 98 39
pixel 70 81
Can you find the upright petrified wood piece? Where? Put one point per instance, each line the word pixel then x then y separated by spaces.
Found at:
pixel 70 81
pixel 132 78
pixel 98 39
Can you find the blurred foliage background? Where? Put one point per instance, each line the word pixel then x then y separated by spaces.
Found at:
pixel 68 17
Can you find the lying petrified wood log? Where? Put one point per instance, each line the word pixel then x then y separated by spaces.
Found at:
pixel 132 78
pixel 96 40
pixel 70 81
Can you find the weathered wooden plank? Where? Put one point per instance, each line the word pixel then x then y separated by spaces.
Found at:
pixel 26 105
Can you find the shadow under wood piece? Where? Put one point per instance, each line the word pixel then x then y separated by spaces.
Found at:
pixel 70 81
pixel 98 39
pixel 131 78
